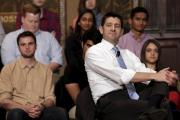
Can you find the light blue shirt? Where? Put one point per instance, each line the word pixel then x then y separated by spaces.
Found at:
pixel 48 49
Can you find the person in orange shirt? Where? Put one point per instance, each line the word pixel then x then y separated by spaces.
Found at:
pixel 27 88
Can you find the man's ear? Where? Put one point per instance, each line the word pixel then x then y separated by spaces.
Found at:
pixel 22 19
pixel 130 21
pixel 101 29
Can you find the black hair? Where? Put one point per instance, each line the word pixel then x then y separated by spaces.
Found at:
pixel 94 35
pixel 111 14
pixel 138 10
pixel 78 27
pixel 26 34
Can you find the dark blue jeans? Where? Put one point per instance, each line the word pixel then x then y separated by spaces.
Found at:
pixel 51 113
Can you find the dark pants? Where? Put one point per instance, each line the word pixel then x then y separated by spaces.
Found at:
pixel 2 113
pixel 51 113
pixel 117 105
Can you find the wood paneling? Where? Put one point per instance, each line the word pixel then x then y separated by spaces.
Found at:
pixel 170 56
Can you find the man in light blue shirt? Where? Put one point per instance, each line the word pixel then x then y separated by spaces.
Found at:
pixel 48 49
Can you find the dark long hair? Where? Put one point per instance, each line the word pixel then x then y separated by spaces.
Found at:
pixel 78 27
pixel 143 52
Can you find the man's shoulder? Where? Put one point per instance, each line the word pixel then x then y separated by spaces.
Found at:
pixel 41 34
pixel 125 36
pixel 149 36
pixel 13 34
pixel 97 49
pixel 42 66
pixel 10 65
pixel 98 46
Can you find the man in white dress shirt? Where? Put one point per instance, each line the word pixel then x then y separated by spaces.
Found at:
pixel 107 79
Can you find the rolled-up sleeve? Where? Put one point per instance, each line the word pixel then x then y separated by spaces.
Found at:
pixel 105 66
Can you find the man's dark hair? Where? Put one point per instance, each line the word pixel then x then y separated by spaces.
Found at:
pixel 138 10
pixel 26 34
pixel 111 14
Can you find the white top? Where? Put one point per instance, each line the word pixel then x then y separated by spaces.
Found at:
pixel 2 33
pixel 105 74
pixel 48 49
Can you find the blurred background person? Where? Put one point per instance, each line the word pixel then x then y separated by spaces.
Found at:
pixel 49 21
pixel 2 34
pixel 91 5
pixel 135 38
pixel 75 78
pixel 48 50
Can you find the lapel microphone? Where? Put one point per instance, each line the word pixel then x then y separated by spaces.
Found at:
pixel 118 53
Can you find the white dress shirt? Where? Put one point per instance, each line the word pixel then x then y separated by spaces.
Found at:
pixel 48 49
pixel 105 74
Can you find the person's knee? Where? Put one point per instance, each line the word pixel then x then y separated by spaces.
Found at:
pixel 15 114
pixel 56 112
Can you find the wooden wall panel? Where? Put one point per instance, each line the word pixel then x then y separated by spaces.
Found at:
pixel 170 53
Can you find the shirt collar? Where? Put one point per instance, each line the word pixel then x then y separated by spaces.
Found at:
pixel 23 65
pixel 36 33
pixel 107 44
pixel 141 37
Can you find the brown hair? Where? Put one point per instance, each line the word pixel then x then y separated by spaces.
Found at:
pixel 30 8
pixel 143 51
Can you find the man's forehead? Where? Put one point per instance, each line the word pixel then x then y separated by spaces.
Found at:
pixel 113 19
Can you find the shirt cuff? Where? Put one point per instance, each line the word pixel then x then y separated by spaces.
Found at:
pixel 127 76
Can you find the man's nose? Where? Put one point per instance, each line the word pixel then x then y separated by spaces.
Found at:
pixel 113 28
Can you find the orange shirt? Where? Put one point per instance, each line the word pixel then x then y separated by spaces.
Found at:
pixel 26 84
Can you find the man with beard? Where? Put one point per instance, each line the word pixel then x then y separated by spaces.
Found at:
pixel 26 86
pixel 135 39
pixel 48 50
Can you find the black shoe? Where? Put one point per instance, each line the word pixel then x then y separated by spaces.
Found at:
pixel 154 114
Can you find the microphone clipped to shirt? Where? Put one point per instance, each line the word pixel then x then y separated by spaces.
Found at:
pixel 118 53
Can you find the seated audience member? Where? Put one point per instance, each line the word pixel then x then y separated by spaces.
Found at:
pixel 90 5
pixel 150 56
pixel 48 50
pixel 111 73
pixel 73 54
pixel 2 34
pixel 75 78
pixel 74 70
pixel 49 21
pixel 135 38
pixel 26 86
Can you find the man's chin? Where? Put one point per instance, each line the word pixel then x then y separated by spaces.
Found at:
pixel 27 56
